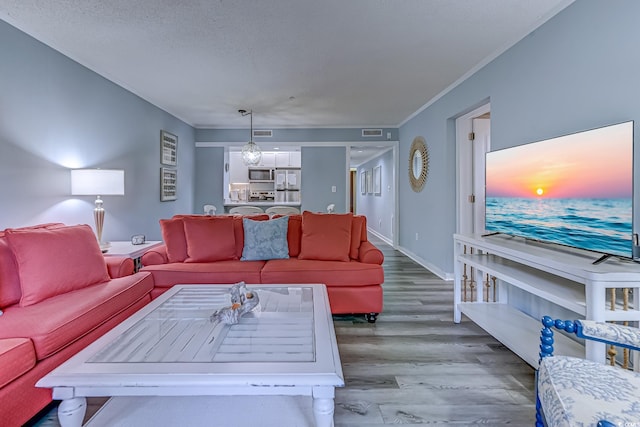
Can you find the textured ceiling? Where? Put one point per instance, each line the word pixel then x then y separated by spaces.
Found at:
pixel 296 63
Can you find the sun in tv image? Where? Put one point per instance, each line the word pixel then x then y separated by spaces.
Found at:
pixel 574 190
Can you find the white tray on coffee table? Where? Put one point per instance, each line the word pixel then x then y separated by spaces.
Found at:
pixel 285 347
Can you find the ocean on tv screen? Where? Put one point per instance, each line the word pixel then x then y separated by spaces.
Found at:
pixel 596 224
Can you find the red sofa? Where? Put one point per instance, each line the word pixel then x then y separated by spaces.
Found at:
pixel 322 248
pixel 57 295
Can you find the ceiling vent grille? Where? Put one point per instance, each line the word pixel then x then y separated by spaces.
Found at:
pixel 263 133
pixel 371 132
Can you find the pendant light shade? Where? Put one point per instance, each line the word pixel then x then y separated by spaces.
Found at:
pixel 251 153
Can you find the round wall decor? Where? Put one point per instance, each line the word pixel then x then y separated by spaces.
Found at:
pixel 418 164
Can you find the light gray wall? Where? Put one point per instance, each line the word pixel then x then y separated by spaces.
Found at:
pixel 56 115
pixel 322 168
pixel 209 177
pixel 576 72
pixel 379 209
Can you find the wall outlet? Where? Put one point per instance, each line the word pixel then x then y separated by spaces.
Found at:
pixel 417 236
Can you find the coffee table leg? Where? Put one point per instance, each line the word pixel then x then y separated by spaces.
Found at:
pixel 71 412
pixel 323 406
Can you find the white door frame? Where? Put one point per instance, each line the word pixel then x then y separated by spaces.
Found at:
pixel 464 169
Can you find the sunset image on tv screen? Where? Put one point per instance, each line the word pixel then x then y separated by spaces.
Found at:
pixel 574 190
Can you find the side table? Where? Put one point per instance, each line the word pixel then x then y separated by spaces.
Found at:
pixel 127 249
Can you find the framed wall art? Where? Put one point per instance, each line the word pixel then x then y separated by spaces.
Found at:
pixel 168 184
pixel 377 180
pixel 369 182
pixel 363 182
pixel 168 148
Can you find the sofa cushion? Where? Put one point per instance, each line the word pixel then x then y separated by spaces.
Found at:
pixel 17 356
pixel 55 261
pixel 331 273
pixel 174 239
pixel 264 240
pixel 60 320
pixel 210 239
pixel 325 236
pixel 233 271
pixel 9 279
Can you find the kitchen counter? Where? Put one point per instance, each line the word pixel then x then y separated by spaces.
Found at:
pixel 267 203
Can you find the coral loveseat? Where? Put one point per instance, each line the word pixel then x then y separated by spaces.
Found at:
pixel 57 295
pixel 320 248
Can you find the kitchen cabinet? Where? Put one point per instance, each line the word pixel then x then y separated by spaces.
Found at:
pixel 238 171
pixel 268 160
pixel 288 159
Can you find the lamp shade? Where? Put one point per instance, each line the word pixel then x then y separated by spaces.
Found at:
pixel 97 182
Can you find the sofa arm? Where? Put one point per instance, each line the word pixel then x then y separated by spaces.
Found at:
pixel 155 256
pixel 119 266
pixel 370 254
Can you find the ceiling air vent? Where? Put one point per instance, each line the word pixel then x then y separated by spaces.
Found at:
pixel 371 132
pixel 263 133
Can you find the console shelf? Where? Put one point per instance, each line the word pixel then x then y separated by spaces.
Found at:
pixel 563 276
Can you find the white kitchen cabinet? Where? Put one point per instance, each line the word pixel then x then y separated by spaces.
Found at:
pixel 238 171
pixel 288 159
pixel 268 160
pixel 282 159
pixel 295 159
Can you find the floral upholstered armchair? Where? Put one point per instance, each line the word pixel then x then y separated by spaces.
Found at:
pixel 578 392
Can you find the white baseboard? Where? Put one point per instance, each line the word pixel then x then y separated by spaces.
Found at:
pixel 435 270
pixel 432 268
pixel 380 236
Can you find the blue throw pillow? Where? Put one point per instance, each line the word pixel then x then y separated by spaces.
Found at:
pixel 265 240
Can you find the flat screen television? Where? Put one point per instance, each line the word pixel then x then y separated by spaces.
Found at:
pixel 574 190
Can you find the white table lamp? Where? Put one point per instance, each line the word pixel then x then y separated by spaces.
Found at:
pixel 97 182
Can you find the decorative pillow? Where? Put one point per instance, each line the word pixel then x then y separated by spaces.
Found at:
pixel 265 240
pixel 56 261
pixel 325 237
pixel 210 238
pixel 239 229
pixel 174 239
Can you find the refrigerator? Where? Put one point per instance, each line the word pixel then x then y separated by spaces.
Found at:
pixel 287 185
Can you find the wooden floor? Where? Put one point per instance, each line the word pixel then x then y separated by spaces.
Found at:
pixel 415 366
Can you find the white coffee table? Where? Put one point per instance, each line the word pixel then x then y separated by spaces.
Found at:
pixel 286 347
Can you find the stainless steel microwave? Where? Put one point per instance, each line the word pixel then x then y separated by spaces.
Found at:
pixel 261 174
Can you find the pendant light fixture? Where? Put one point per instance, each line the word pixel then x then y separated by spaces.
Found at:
pixel 251 153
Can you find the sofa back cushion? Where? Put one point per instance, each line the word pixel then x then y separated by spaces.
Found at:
pixel 210 238
pixel 10 291
pixel 174 239
pixel 55 261
pixel 294 233
pixel 326 236
pixel 358 235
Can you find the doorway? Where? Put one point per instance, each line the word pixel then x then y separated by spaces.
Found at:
pixel 473 140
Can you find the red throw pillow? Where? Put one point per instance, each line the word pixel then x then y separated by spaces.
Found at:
pixel 174 239
pixel 210 239
pixel 325 237
pixel 56 261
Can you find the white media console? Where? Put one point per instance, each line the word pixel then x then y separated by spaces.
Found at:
pixel 563 276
